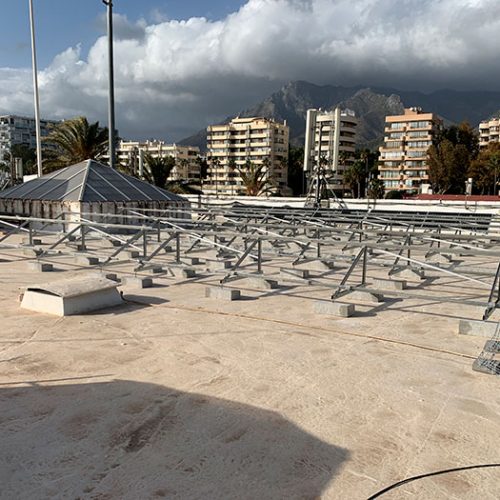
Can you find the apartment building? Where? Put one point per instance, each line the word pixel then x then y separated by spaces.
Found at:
pixel 489 131
pixel 132 153
pixel 21 130
pixel 256 140
pixel 330 141
pixel 403 157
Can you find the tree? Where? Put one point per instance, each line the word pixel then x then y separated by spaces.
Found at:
pixel 448 164
pixel 394 195
pixel 203 164
pixel 27 155
pixel 73 141
pixel 485 170
pixel 232 166
pixel 296 170
pixel 255 179
pixel 182 166
pixel 158 169
pixel 376 189
pixel 354 177
pixel 450 156
pixel 462 134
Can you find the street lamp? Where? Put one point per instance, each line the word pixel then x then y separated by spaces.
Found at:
pixel 35 92
pixel 111 95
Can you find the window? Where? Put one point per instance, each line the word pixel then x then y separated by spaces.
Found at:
pixel 421 124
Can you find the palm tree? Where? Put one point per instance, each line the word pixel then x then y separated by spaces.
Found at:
pixel 73 141
pixel 215 165
pixel 376 189
pixel 354 177
pixel 232 166
pixel 255 179
pixel 182 169
pixel 158 168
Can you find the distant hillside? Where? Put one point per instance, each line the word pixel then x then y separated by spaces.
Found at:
pixel 371 105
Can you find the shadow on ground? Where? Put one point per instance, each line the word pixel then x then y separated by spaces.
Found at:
pixel 131 440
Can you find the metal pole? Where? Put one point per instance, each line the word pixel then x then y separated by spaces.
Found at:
pixel 35 92
pixel 111 77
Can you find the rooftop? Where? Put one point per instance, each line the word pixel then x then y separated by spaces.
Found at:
pixel 176 394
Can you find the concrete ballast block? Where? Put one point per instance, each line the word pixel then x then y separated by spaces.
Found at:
pixel 410 274
pixel 35 241
pixel 294 272
pixel 220 265
pixel 372 298
pixel 334 308
pixel 42 267
pixel 389 284
pixel 476 328
pixel 261 283
pixel 221 293
pixel 83 260
pixel 138 282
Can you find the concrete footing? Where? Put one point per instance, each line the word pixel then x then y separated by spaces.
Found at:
pixel 318 265
pixel 83 260
pixel 108 276
pixel 35 241
pixel 439 258
pixel 294 272
pixel 220 293
pixel 182 272
pixel 477 328
pixel 492 346
pixel 334 308
pixel 156 270
pixel 410 274
pixel 372 298
pixel 42 267
pixel 220 265
pixel 261 283
pixel 138 282
pixel 488 366
pixel 389 284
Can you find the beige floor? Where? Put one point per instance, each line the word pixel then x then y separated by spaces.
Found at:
pixel 187 397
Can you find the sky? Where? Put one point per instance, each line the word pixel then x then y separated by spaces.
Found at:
pixel 183 64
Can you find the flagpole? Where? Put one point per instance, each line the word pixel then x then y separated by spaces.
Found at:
pixel 35 92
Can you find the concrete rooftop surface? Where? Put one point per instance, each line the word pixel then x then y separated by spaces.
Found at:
pixel 177 395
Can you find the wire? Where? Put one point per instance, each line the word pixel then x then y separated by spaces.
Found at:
pixel 429 474
pixel 306 327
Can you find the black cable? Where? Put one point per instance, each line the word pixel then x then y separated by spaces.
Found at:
pixel 429 474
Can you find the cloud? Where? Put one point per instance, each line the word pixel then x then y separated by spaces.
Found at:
pixel 174 76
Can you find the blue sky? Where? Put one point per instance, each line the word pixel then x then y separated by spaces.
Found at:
pixel 181 65
pixel 64 23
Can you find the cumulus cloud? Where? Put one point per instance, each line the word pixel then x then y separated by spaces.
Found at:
pixel 174 76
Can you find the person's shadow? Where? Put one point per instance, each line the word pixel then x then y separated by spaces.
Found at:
pixel 132 440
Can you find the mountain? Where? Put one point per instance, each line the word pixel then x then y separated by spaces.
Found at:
pixel 371 105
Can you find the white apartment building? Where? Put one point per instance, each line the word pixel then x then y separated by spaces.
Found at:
pixel 403 157
pixel 21 130
pixel 489 131
pixel 186 164
pixel 330 140
pixel 256 140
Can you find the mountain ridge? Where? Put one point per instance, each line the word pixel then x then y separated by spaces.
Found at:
pixel 371 105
